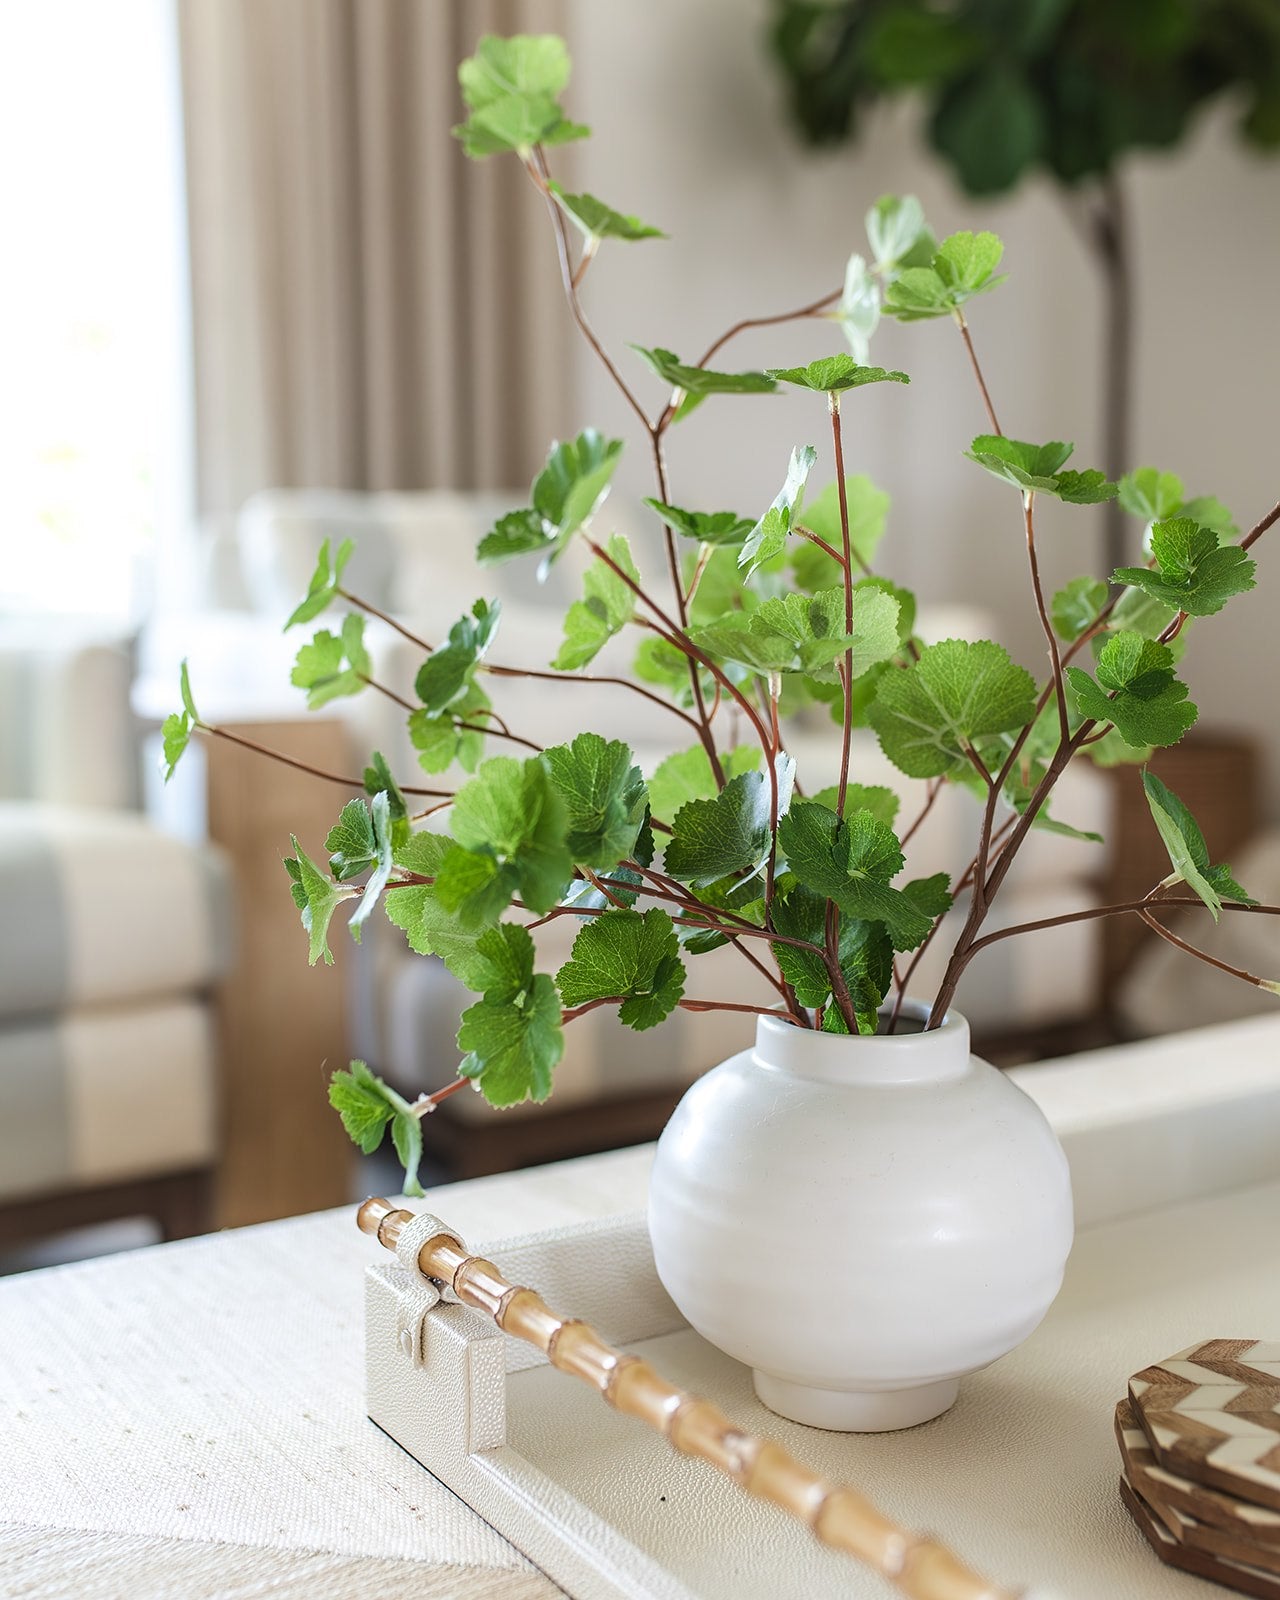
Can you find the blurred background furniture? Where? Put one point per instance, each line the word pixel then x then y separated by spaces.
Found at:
pixel 414 559
pixel 113 939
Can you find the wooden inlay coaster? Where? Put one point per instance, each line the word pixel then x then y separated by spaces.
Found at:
pixel 1212 1413
pixel 1231 1574
pixel 1253 1528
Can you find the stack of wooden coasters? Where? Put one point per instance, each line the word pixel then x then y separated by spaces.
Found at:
pixel 1200 1438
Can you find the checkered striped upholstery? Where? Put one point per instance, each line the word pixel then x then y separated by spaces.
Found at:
pixel 111 936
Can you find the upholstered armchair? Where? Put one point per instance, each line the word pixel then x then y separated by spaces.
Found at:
pixel 112 939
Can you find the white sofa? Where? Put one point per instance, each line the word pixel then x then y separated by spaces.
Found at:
pixel 415 558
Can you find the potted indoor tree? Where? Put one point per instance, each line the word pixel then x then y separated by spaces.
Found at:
pixel 858 1144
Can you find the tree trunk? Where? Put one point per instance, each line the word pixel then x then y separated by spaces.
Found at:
pixel 1112 245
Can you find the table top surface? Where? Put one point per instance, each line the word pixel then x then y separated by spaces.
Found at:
pixel 188 1420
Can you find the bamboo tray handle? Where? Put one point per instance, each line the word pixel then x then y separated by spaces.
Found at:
pixel 920 1568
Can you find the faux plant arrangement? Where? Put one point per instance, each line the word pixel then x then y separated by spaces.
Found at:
pixel 722 845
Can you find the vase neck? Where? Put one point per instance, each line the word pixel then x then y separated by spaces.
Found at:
pixel 940 1054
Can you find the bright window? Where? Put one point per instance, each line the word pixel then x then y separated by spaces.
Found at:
pixel 93 331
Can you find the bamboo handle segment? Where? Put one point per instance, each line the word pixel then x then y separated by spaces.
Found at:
pixel 919 1567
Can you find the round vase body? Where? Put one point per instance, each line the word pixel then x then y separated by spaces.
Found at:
pixel 861 1221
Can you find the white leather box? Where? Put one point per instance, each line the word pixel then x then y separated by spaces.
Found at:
pixel 1175 1154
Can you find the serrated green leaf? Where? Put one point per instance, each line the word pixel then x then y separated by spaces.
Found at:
pixel 707 527
pixel 184 687
pixel 595 220
pixel 698 382
pixel 518 533
pixel 604 798
pixel 687 776
pixel 298 893
pixel 512 1035
pixel 1037 469
pixel 319 899
pixel 1138 612
pixel 378 779
pixel 859 310
pixel 608 604
pixel 406 1136
pixel 1147 704
pixel 510 825
pixel 324 583
pixel 880 801
pixel 1188 853
pixel 1209 512
pixel 895 226
pixel 630 957
pixel 865 954
pixel 565 495
pixel 966 261
pixel 730 833
pixel 573 484
pixel 665 667
pixel 377 881
pixel 767 539
pixel 850 861
pixel 1026 466
pixel 833 374
pixel 447 675
pixel 926 714
pixel 361 1099
pixel 1150 494
pixel 175 735
pixel 521 63
pixel 431 930
pixel 962 267
pixel 440 740
pixel 1090 488
pixel 516 122
pixel 1195 575
pixel 332 665
pixel 351 844
pixel 1077 606
pixel 916 294
pixel 931 895
pixel 868 507
pixel 806 633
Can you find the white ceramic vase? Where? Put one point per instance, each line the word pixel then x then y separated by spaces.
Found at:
pixel 862 1221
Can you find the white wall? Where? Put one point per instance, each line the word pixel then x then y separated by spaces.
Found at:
pixel 689 132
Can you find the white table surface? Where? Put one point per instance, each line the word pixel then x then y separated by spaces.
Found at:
pixel 188 1420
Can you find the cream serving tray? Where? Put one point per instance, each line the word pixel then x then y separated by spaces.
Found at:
pixel 1175 1154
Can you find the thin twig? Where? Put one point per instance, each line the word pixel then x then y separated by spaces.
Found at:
pixel 813 309
pixel 1121 908
pixel 931 794
pixel 846 730
pixel 426 1103
pixel 355 600
pixel 304 766
pixel 977 372
pixel 1203 955
pixel 1042 610
pixel 587 677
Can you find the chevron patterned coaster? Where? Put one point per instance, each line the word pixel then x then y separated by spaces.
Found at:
pixel 1212 1413
pixel 1188 1510
pixel 1231 1574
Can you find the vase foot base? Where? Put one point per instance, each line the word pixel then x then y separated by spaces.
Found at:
pixel 861 1411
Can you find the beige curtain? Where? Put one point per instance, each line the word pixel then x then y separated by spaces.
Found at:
pixel 370 309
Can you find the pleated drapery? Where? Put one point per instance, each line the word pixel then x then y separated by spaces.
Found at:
pixel 370 310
